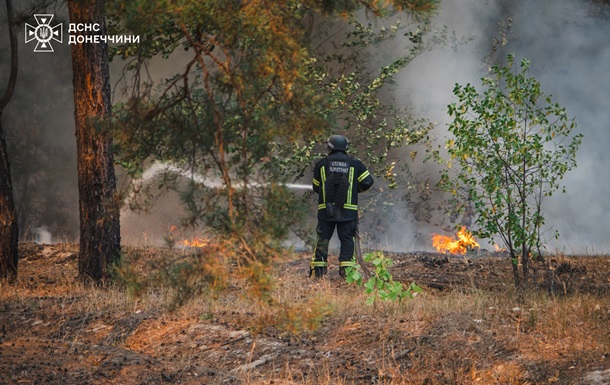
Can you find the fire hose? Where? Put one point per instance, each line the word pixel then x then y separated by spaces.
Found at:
pixel 365 270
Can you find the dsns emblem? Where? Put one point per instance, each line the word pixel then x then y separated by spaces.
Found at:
pixel 43 33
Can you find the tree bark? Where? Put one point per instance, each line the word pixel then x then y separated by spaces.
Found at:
pixel 98 204
pixel 9 230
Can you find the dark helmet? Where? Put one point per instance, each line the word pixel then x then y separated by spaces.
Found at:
pixel 337 143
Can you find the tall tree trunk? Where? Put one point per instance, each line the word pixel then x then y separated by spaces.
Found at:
pixel 9 230
pixel 99 213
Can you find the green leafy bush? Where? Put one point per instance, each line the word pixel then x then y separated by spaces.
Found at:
pixel 512 146
pixel 380 285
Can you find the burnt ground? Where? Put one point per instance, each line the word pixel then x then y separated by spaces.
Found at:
pixel 53 330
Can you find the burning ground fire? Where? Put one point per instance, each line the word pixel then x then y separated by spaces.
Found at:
pixel 461 245
pixel 194 242
pixel 197 242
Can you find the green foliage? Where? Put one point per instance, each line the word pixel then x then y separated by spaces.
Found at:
pixel 354 101
pixel 241 89
pixel 512 146
pixel 355 71
pixel 252 95
pixel 380 286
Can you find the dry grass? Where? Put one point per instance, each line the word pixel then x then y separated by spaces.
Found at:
pixel 57 330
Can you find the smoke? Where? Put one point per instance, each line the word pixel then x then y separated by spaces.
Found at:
pixel 39 127
pixel 567 44
pixel 565 40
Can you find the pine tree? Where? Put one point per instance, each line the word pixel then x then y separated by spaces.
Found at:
pixel 9 230
pixel 99 214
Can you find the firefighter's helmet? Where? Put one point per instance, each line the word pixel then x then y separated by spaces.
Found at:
pixel 337 143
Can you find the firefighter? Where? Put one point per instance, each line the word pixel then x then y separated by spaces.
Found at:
pixel 337 179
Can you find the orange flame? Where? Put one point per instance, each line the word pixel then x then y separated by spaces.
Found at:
pixel 499 249
pixel 464 241
pixel 197 242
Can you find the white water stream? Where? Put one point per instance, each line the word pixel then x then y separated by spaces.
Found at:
pixel 206 180
pixel 151 227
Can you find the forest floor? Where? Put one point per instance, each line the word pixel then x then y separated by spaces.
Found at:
pixel 468 326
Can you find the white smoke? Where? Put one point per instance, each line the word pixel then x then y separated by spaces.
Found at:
pixel 567 44
pixel 566 41
pixel 42 235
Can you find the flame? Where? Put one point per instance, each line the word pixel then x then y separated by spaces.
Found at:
pixel 197 242
pixel 499 249
pixel 464 241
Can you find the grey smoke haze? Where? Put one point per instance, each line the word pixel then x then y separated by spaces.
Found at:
pixel 568 45
pixel 567 42
pixel 39 128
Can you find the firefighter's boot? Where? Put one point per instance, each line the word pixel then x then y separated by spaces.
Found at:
pixel 318 271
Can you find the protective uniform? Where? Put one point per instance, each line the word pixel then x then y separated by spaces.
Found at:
pixel 337 178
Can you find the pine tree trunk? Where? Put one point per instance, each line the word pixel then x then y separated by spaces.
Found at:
pixel 99 213
pixel 9 229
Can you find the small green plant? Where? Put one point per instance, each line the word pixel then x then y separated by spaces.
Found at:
pixel 511 148
pixel 380 285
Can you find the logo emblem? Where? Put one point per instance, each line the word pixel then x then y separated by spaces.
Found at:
pixel 43 33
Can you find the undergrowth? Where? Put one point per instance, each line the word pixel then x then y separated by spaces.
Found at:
pixel 322 331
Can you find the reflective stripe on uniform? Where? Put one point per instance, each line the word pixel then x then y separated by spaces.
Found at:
pixel 363 175
pixel 318 264
pixel 315 263
pixel 351 187
pixel 323 188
